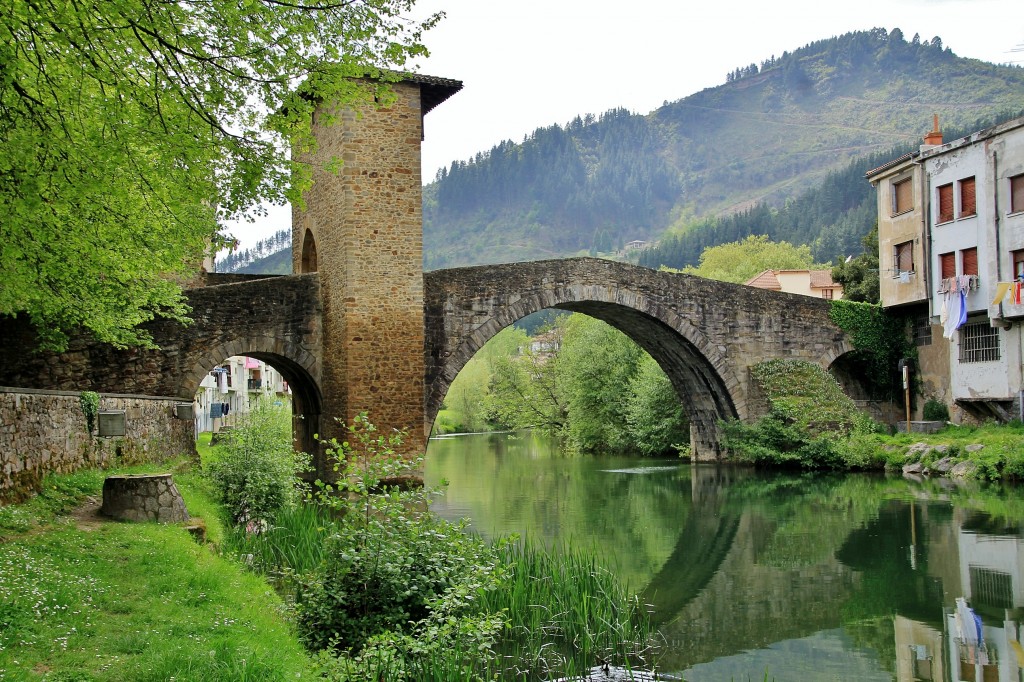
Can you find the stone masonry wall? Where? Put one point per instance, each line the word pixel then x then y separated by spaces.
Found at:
pixel 366 220
pixel 44 432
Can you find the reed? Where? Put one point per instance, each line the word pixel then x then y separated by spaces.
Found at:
pixel 566 614
pixel 293 544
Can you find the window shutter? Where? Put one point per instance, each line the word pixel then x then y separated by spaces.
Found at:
pixel 903 196
pixel 970 261
pixel 1017 194
pixel 945 203
pixel 968 205
pixel 948 265
pixel 905 257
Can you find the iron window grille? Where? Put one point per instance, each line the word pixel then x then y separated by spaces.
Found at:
pixel 979 342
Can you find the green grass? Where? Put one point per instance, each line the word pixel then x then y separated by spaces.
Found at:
pixel 122 601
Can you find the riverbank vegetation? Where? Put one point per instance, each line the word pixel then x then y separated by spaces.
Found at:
pixel 577 378
pixel 367 583
pixel 812 424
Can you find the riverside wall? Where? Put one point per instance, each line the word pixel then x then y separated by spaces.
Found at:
pixel 43 432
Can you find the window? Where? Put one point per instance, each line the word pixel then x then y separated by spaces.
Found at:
pixel 968 206
pixel 979 343
pixel 922 331
pixel 991 588
pixel 1017 194
pixel 826 293
pixel 902 196
pixel 945 203
pixel 947 265
pixel 969 261
pixel 1018 262
pixel 903 258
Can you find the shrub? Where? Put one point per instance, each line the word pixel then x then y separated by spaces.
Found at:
pixel 935 411
pixel 255 472
pixel 392 567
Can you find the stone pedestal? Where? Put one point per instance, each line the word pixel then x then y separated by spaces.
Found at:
pixel 143 497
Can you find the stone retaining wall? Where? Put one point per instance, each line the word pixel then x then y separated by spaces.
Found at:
pixel 44 432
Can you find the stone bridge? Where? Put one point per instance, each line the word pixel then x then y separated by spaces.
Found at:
pixel 360 327
pixel 705 335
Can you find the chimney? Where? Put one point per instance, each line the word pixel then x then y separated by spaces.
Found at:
pixel 934 138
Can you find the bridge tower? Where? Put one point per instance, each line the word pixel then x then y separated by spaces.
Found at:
pixel 362 231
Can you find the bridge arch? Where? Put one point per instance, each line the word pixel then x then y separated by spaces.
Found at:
pixel 297 365
pixel 699 372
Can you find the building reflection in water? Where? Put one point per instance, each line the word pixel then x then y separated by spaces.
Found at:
pixel 981 580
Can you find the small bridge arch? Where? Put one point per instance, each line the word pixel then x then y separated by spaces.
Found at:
pixel 297 365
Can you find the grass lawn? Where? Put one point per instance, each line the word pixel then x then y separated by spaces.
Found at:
pixel 82 598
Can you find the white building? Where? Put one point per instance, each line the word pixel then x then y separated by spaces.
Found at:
pixel 231 387
pixel 951 242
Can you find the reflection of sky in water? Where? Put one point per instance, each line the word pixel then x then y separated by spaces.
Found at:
pixel 822 657
pixel 639 470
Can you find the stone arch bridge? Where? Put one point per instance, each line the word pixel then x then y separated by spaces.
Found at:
pixel 705 335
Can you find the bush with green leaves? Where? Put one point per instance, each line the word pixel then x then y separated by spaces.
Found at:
pixel 935 411
pixel 393 570
pixel 255 472
pixel 810 424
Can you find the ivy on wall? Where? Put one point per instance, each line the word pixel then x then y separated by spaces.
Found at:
pixel 879 340
pixel 90 401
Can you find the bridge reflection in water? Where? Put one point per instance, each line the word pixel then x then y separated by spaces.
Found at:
pixel 805 577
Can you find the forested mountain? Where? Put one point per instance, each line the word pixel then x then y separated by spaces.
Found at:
pixel 270 256
pixel 748 147
pixel 831 217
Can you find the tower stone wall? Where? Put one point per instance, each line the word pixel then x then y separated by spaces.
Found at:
pixel 366 226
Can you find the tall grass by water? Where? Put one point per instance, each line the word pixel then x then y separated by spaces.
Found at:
pixel 567 614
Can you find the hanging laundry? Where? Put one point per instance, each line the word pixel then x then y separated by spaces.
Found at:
pixel 222 381
pixel 216 410
pixel 952 322
pixel 225 407
pixel 1001 290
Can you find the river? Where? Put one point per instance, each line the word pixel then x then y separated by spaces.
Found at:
pixel 802 577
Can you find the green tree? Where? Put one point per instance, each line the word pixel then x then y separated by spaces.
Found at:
pixel 597 364
pixel 740 261
pixel 468 395
pixel 655 419
pixel 128 128
pixel 859 276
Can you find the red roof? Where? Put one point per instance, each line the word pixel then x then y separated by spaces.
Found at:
pixel 766 280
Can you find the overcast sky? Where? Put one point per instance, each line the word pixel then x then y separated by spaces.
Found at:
pixel 532 63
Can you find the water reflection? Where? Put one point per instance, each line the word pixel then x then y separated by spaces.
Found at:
pixel 805 577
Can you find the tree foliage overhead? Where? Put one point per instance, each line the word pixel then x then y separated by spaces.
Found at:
pixel 129 127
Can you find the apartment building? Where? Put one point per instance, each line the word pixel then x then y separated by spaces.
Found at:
pixel 951 248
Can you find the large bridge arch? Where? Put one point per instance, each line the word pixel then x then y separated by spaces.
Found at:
pixel 699 373
pixel 705 334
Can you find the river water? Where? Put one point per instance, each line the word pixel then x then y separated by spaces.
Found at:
pixel 802 577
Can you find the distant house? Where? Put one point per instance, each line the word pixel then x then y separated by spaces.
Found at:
pixel 547 344
pixel 817 283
